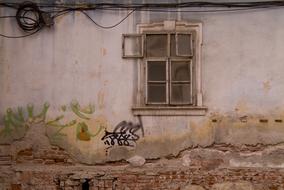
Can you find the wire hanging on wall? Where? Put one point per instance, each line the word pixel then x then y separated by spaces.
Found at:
pixel 31 18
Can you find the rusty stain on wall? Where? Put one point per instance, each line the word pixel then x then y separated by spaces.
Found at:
pixel 103 51
pixel 266 86
pixel 241 106
pixel 101 99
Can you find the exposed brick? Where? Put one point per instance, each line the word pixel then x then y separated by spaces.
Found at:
pixel 26 152
pixel 5 150
pixel 16 187
pixel 49 162
pixel 206 175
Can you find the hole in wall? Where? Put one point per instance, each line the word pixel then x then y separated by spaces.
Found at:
pixel 244 119
pixel 214 120
pixel 85 185
pixel 263 120
pixel 278 120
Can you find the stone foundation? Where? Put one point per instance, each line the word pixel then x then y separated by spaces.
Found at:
pixel 194 169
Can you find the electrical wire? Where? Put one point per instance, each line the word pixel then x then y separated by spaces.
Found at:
pixel 29 18
pixel 197 4
pixel 170 5
pixel 21 36
pixel 54 10
pixel 35 20
pixel 108 27
pixel 193 11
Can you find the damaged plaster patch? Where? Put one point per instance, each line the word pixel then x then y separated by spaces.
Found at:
pixel 221 141
pixel 241 107
pixel 228 135
pixel 34 139
pixel 239 163
pixel 252 130
pixel 271 156
pixel 204 157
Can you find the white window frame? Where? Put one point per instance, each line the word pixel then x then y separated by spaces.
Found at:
pixel 124 54
pixel 196 108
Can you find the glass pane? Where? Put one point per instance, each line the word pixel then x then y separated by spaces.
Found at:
pixel 184 44
pixel 180 93
pixel 156 45
pixel 156 71
pixel 157 93
pixel 180 70
pixel 173 45
pixel 133 46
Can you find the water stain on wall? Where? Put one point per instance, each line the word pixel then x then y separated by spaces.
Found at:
pixel 266 85
pixel 101 99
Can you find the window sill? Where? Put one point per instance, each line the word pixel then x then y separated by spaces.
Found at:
pixel 168 111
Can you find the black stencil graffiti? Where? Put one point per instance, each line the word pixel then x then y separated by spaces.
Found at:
pixel 124 134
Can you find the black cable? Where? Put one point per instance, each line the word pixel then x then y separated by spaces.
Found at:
pixel 195 11
pixel 60 13
pixel 42 18
pixel 158 5
pixel 36 19
pixel 171 5
pixel 108 27
pixel 22 36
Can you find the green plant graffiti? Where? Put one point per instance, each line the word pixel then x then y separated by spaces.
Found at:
pixel 56 123
pixel 22 118
pixel 81 112
pixel 16 120
pixel 82 130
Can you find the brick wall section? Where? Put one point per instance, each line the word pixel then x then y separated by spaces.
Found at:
pixel 53 169
pixel 146 180
pixel 5 155
pixel 54 155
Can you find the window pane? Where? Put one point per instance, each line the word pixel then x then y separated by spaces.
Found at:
pixel 181 93
pixel 157 93
pixel 132 45
pixel 180 70
pixel 156 45
pixel 184 44
pixel 173 45
pixel 156 71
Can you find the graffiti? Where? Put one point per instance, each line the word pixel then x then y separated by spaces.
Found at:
pixel 124 134
pixel 15 120
pixel 57 124
pixel 82 130
pixel 81 113
pixel 22 118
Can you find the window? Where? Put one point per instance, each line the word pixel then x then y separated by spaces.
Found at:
pixel 169 73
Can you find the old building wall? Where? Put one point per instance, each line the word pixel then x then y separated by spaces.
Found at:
pixel 74 74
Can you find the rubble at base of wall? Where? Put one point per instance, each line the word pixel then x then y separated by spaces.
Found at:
pixel 217 167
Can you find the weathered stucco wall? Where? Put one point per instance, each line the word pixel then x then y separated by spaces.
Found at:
pixel 77 62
